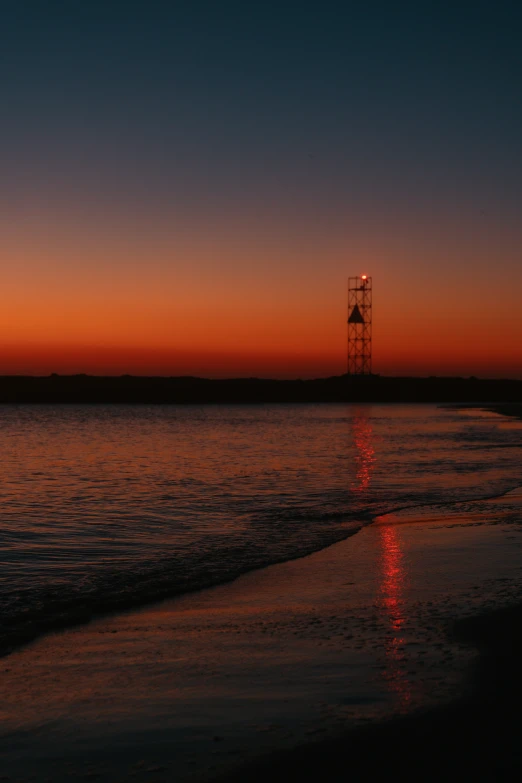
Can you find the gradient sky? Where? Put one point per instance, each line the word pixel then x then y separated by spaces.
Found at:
pixel 186 186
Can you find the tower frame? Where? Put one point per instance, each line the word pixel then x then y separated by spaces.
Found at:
pixel 359 356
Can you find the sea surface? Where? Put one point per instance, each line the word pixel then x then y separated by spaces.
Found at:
pixel 109 507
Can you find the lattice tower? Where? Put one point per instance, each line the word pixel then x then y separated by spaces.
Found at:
pixel 360 325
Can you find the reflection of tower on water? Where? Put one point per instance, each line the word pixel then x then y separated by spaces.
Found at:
pixel 362 436
pixel 391 561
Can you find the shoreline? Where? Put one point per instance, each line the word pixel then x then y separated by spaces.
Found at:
pixel 510 409
pixel 20 637
pixel 253 672
pixel 355 643
pixel 33 628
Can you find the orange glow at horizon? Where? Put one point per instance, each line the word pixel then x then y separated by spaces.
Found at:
pixel 238 300
pixel 155 222
pixel 204 338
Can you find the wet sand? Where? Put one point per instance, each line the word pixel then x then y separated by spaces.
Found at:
pixel 198 687
pixel 475 737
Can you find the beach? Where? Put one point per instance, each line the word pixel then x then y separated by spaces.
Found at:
pixel 292 660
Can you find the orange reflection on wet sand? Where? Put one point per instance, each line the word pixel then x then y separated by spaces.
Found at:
pixel 393 575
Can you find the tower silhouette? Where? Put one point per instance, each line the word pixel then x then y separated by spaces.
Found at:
pixel 359 325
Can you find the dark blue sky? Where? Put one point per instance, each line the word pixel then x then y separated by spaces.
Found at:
pixel 382 93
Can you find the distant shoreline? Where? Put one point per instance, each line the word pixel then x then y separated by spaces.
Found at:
pixel 136 390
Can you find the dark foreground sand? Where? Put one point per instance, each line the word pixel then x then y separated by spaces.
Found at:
pixel 478 737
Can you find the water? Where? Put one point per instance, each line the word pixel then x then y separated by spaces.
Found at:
pixel 111 506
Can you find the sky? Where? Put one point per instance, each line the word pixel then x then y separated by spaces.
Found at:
pixel 186 186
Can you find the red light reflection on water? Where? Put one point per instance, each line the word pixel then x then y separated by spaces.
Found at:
pixel 391 562
pixel 393 575
pixel 362 434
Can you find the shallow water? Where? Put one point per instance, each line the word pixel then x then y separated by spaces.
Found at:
pixel 110 506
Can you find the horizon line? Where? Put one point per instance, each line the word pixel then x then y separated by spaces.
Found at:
pixel 344 376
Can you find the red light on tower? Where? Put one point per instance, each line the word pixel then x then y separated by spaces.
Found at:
pixel 364 277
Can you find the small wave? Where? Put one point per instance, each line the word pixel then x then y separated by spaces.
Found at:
pixel 173 501
pixel 454 502
pixel 31 613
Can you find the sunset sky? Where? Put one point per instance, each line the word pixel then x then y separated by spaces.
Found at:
pixel 186 186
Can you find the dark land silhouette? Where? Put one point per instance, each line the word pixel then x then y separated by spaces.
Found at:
pixel 89 389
